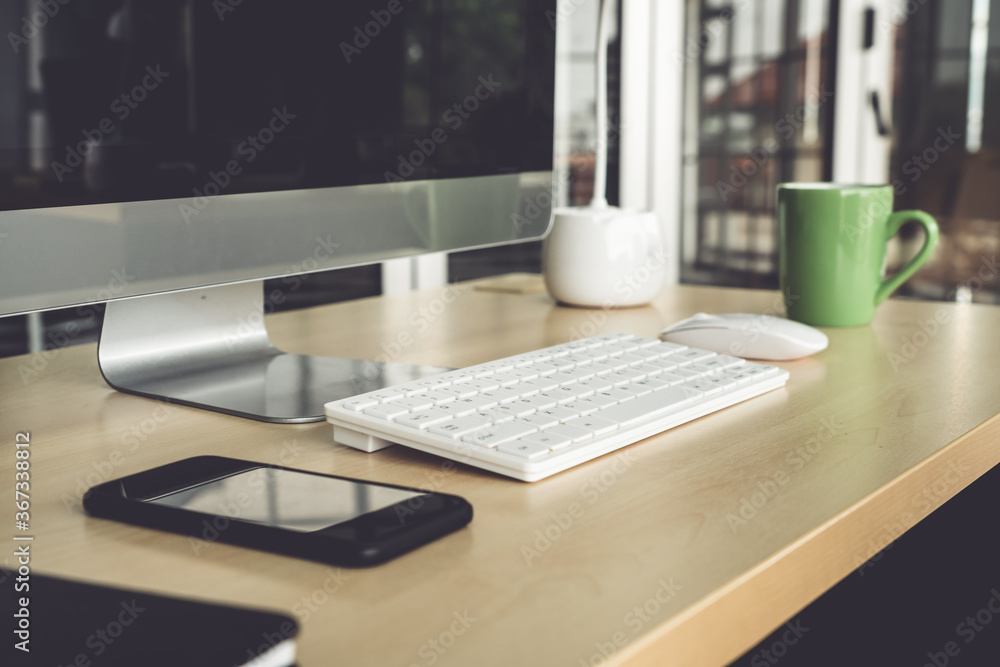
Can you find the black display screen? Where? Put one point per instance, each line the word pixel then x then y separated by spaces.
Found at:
pixel 286 498
pixel 115 100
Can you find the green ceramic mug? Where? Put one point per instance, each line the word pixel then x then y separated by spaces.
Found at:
pixel 832 247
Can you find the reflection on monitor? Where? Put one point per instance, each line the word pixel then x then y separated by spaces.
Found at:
pixel 184 151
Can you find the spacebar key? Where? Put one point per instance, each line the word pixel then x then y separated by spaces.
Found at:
pixel 649 406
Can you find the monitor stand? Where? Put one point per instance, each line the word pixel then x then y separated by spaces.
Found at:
pixel 208 348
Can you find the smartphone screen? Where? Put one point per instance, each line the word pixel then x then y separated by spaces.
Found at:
pixel 285 498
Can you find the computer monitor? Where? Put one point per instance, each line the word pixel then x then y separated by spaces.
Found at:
pixel 167 156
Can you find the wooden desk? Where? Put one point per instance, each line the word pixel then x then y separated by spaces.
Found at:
pixel 684 549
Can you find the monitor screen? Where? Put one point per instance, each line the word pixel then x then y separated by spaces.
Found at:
pixel 175 99
pixel 156 145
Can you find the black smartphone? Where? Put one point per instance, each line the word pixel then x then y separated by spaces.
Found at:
pixel 325 518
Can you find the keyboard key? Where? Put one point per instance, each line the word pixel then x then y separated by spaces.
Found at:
pixel 525 449
pixel 686 373
pixel 538 384
pixel 644 408
pixel 386 411
pixel 439 396
pixel 414 403
pixel 620 394
pixel 501 395
pixel 483 384
pixel 654 384
pixel 603 398
pixel 571 431
pixel 632 359
pixel 458 391
pixel 479 402
pixel 360 403
pixel 563 394
pixel 560 413
pixel 580 359
pixel 499 434
pixel 624 377
pixel 456 428
pixel 582 373
pixel 694 354
pixel 522 374
pixel 563 378
pixel 457 408
pixel 513 409
pixel 505 379
pixel 583 407
pixel 540 420
pixel 540 401
pixel 387 394
pixel 600 383
pixel 704 387
pixel 596 425
pixel 701 369
pixel 432 383
pixel 423 419
pixel 604 366
pixel 737 374
pixel 548 439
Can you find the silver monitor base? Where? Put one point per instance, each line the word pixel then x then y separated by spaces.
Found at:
pixel 208 348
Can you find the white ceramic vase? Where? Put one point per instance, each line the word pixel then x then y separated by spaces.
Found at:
pixel 603 258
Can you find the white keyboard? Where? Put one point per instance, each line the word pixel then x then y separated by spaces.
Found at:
pixel 535 414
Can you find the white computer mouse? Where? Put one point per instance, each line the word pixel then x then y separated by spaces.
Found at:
pixel 747 336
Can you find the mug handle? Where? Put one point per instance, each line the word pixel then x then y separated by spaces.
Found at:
pixel 893 224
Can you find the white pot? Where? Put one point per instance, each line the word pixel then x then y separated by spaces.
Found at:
pixel 604 258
